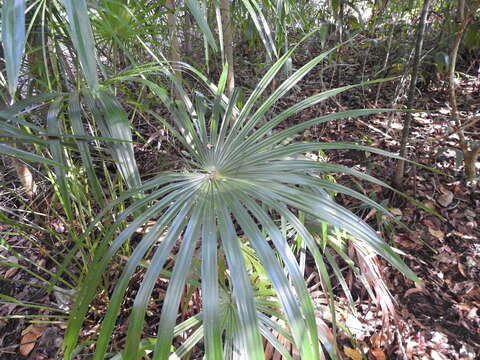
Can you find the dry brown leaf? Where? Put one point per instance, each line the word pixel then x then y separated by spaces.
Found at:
pixel 378 339
pixel 439 234
pixel 29 337
pixel 445 199
pixel 396 212
pixel 379 354
pixel 413 290
pixel 352 353
pixel 10 272
pixel 429 204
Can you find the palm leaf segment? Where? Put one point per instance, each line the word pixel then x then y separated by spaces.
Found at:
pixel 238 178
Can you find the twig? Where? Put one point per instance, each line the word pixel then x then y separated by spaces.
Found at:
pixel 468 124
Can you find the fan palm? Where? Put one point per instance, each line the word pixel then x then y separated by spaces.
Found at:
pixel 239 176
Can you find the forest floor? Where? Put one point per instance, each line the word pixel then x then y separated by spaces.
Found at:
pixel 439 320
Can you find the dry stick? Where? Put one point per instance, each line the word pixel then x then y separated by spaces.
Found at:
pixel 387 57
pixel 398 94
pixel 364 64
pixel 400 169
pixel 187 36
pixel 400 88
pixel 467 125
pixel 340 33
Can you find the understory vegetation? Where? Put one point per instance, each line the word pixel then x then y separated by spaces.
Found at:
pixel 215 179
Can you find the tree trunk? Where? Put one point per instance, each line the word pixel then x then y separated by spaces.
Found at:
pixel 466 13
pixel 187 35
pixel 400 169
pixel 174 55
pixel 228 44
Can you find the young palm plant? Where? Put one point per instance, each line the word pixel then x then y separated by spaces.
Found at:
pixel 240 176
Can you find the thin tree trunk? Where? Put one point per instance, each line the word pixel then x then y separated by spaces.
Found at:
pixel 187 34
pixel 466 13
pixel 341 15
pixel 174 55
pixel 228 44
pixel 400 169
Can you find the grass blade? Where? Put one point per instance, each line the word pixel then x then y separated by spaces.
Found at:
pixel 27 156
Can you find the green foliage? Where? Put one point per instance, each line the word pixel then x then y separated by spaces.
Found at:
pixel 471 39
pixel 82 37
pixel 13 39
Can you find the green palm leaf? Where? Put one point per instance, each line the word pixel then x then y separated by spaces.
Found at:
pixel 82 37
pixel 13 39
pixel 210 286
pixel 199 16
pixel 57 152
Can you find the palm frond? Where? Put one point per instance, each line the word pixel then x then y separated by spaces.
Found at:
pixel 227 192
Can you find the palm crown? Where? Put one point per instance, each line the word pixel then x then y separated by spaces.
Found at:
pixel 240 177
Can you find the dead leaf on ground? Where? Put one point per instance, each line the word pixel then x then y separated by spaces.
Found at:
pixel 439 234
pixel 396 212
pixel 29 337
pixel 429 204
pixel 379 354
pixel 445 199
pixel 13 269
pixel 352 353
pixel 413 290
